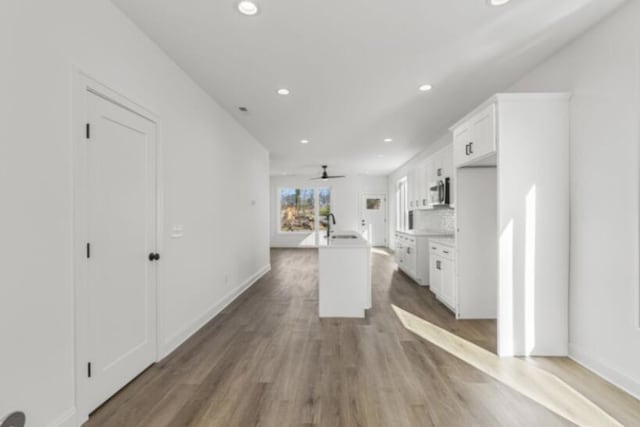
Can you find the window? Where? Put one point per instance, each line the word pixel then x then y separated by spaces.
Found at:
pixel 303 210
pixel 402 213
pixel 324 206
pixel 374 204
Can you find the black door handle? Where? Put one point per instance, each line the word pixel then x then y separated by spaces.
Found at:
pixel 154 256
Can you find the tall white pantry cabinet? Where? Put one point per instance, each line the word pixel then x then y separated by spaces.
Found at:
pixel 512 163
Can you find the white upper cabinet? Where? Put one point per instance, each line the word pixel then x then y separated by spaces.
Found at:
pixel 420 185
pixel 428 172
pixel 411 184
pixel 475 138
pixel 462 136
pixel 427 167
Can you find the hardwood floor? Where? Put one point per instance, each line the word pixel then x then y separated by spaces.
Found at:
pixel 268 360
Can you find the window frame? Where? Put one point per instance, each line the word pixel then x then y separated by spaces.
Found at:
pixel 316 209
pixel 402 211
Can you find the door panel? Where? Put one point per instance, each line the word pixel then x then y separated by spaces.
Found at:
pixel 374 217
pixel 462 136
pixel 435 274
pixel 121 210
pixel 484 133
pixel 448 282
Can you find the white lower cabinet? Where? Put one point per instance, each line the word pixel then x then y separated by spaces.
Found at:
pixel 412 256
pixel 435 277
pixel 448 269
pixel 443 273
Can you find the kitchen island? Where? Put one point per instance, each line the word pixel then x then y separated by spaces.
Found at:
pixel 344 275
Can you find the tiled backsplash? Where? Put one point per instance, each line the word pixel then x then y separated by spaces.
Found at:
pixel 435 219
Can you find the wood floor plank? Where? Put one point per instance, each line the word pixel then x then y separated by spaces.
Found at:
pixel 268 360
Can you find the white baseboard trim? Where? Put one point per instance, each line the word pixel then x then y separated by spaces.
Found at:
pixel 612 375
pixel 67 419
pixel 176 340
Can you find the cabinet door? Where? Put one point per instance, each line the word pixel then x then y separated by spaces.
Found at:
pixel 448 171
pixel 462 136
pixel 411 188
pixel 435 274
pixel 484 133
pixel 419 186
pixel 448 283
pixel 410 260
pixel 427 167
pixel 438 170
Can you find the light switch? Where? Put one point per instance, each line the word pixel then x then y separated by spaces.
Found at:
pixel 177 231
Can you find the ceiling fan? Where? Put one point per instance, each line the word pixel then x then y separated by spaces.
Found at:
pixel 325 176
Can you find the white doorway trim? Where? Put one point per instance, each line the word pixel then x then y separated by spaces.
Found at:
pixel 386 212
pixel 82 83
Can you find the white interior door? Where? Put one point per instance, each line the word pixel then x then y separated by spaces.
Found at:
pixel 373 208
pixel 121 229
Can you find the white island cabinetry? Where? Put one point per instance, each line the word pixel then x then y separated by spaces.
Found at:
pixel 345 275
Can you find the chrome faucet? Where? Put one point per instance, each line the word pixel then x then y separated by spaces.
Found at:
pixel 329 218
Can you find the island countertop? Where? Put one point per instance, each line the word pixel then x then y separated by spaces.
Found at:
pixel 319 240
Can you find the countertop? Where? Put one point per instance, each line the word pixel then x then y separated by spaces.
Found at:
pixel 444 240
pixel 322 242
pixel 426 232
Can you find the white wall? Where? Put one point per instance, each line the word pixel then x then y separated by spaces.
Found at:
pixel 602 71
pixel 212 170
pixel 345 201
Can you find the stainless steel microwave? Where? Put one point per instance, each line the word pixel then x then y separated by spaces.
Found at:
pixel 439 193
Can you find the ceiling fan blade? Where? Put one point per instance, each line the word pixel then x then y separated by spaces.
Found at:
pixel 336 176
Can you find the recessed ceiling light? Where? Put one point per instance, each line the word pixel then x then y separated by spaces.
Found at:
pixel 283 91
pixel 388 140
pixel 247 7
pixel 498 2
pixel 425 88
pixel 304 141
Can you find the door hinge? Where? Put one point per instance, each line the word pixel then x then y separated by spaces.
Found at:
pixel 88 250
pixel 89 369
pixel 88 131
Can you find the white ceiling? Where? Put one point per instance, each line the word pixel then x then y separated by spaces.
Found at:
pixel 354 67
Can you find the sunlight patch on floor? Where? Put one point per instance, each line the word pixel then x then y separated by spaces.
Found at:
pixel 381 251
pixel 533 382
